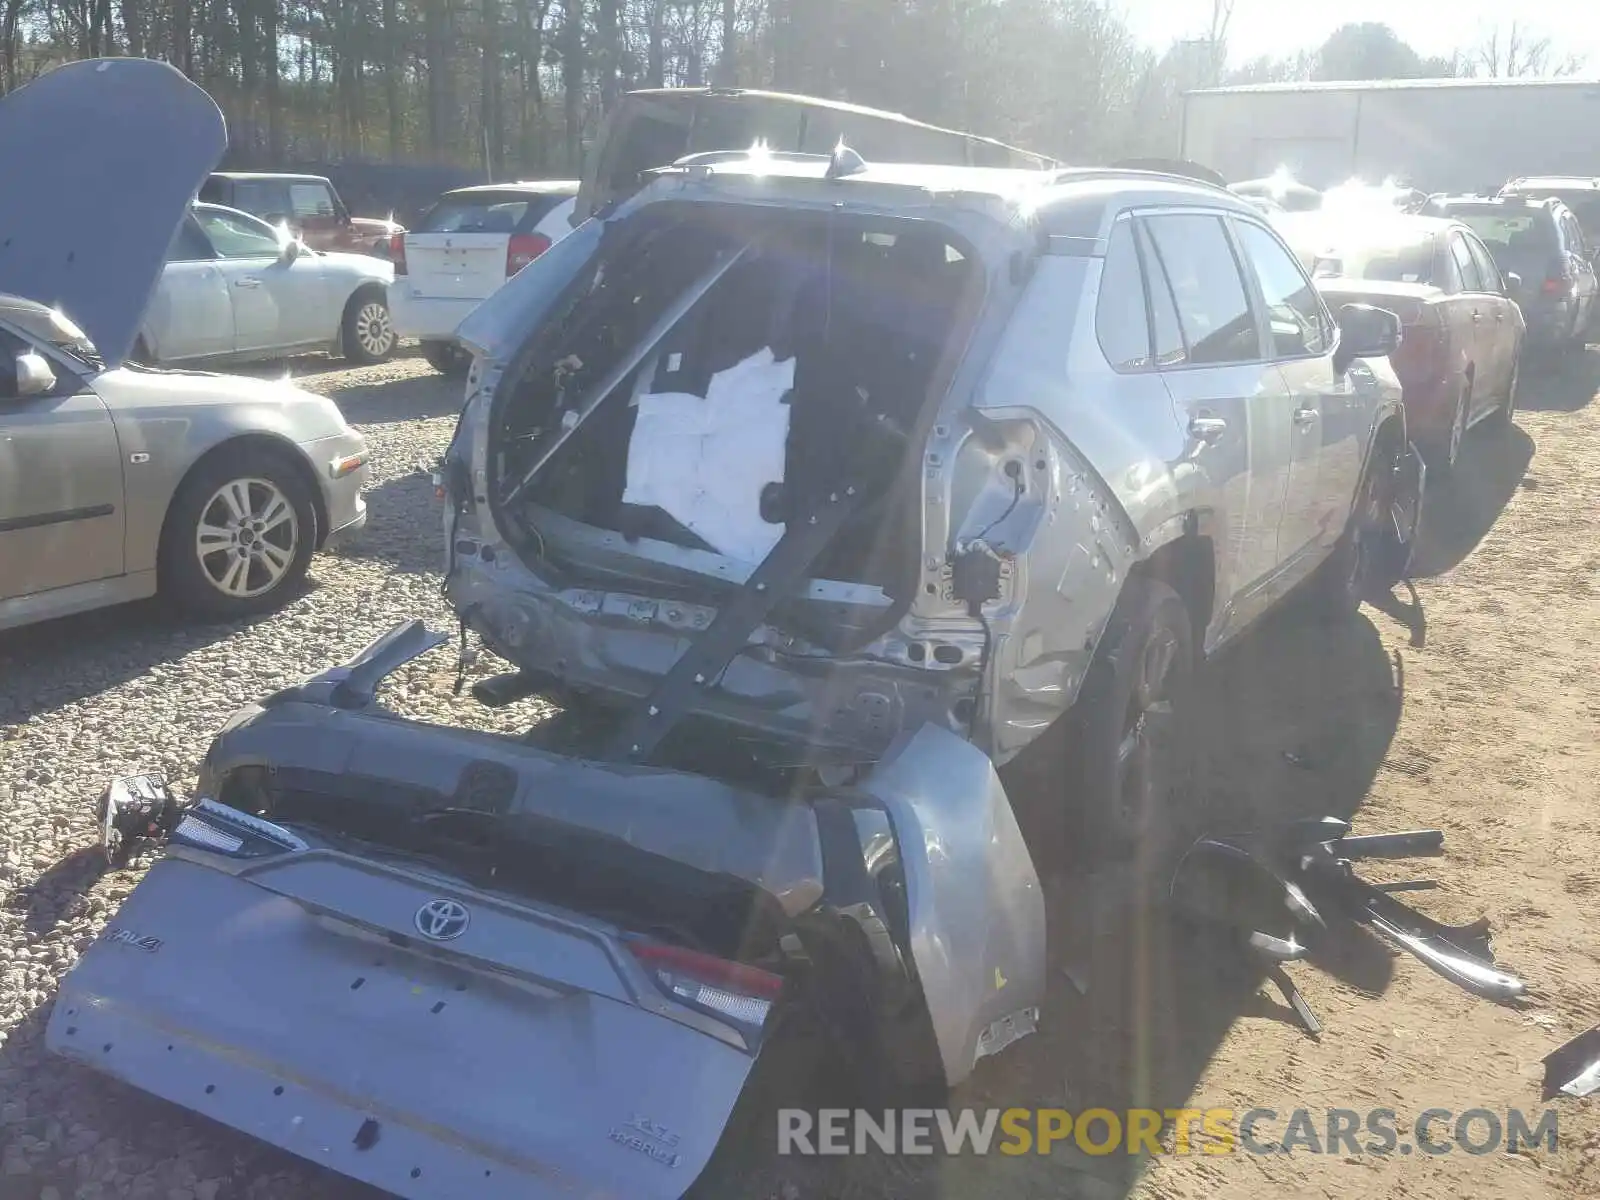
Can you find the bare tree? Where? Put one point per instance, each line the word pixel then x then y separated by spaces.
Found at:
pixel 1510 53
pixel 1221 18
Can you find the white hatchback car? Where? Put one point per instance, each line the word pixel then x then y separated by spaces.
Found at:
pixel 237 288
pixel 470 242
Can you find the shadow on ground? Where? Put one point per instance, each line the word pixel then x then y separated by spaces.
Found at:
pixel 1460 509
pixel 1562 382
pixel 46 666
pixel 391 396
pixel 1295 723
pixel 405 526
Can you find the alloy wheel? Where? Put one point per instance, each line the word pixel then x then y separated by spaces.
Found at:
pixel 374 330
pixel 1149 733
pixel 1458 428
pixel 247 538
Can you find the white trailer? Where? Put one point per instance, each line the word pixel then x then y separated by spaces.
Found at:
pixel 1435 134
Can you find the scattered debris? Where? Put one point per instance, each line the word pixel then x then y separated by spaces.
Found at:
pixel 133 810
pixel 1574 1068
pixel 1271 887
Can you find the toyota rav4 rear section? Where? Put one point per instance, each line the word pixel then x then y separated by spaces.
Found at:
pixel 754 398
pixel 456 964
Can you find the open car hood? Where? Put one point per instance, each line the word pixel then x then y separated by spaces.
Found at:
pixel 101 160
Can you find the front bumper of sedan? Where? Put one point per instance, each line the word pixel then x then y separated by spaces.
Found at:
pixel 343 470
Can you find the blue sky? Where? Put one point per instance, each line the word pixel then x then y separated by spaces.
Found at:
pixel 1432 26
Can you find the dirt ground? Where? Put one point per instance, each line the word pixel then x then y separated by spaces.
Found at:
pixel 1483 726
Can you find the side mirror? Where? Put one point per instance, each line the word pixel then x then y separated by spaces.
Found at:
pixel 290 251
pixel 1365 332
pixel 1513 283
pixel 32 376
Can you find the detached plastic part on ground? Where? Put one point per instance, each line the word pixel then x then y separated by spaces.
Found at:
pixel 450 963
pixel 1573 1069
pixel 1271 887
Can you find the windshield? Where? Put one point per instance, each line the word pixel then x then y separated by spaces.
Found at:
pixel 1409 262
pixel 52 327
pixel 1519 241
pixel 492 212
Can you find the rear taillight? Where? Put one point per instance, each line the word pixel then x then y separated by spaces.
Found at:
pixel 730 990
pixel 1558 279
pixel 397 252
pixel 1420 358
pixel 524 248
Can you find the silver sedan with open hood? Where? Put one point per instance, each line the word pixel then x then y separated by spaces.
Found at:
pixel 117 480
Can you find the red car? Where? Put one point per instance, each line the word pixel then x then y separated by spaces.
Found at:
pixel 1462 332
pixel 307 204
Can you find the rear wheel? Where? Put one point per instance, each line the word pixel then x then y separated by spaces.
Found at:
pixel 1129 753
pixel 1444 454
pixel 367 334
pixel 239 534
pixel 1508 409
pixel 447 358
pixel 1336 589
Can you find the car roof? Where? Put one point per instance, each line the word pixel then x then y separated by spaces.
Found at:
pixel 1067 201
pixel 240 176
pixel 546 187
pixel 1562 182
pixel 1362 228
pixel 1532 204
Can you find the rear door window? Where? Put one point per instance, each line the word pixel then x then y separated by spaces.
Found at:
pixel 265 198
pixel 1121 319
pixel 189 244
pixel 1294 314
pixel 490 212
pixel 1471 280
pixel 1573 235
pixel 238 237
pixel 311 200
pixel 1166 334
pixel 1218 323
pixel 1487 270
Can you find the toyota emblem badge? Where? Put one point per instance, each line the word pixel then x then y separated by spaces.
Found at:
pixel 442 919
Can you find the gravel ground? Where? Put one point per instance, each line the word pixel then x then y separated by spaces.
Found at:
pixel 1492 737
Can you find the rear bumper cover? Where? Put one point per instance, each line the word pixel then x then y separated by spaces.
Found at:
pixel 402 1069
pixel 431 318
pixel 290 997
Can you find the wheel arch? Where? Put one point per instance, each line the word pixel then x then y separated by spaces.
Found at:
pixel 1185 559
pixel 1388 422
pixel 280 447
pixel 364 287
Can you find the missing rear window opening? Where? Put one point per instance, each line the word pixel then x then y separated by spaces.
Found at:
pixel 804 368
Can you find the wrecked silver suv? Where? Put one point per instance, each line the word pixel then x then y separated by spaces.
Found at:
pixel 822 455
pixel 815 492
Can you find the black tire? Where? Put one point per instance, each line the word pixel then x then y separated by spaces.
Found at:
pixel 1335 591
pixel 1443 454
pixel 1507 411
pixel 200 584
pixel 1129 749
pixel 447 358
pixel 366 334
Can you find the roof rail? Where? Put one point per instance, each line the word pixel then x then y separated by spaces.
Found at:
pixel 1088 174
pixel 1183 167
